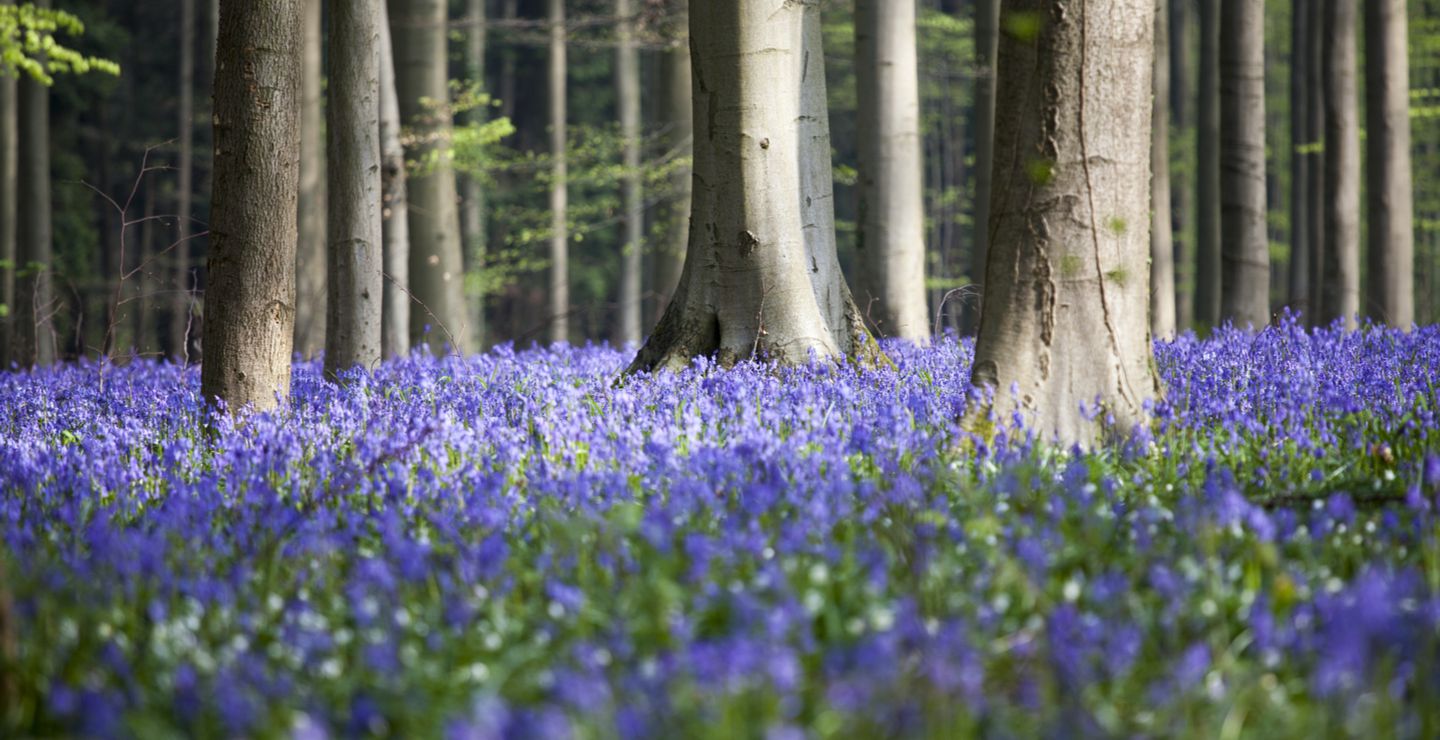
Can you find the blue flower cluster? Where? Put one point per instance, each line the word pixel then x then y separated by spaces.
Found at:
pixel 523 544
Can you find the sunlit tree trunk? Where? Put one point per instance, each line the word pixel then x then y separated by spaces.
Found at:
pixel 678 109
pixel 987 40
pixel 1297 287
pixel 1162 246
pixel 627 78
pixel 1245 242
pixel 310 252
pixel 559 189
pixel 395 307
pixel 1390 283
pixel 472 193
pixel 1207 165
pixel 1340 292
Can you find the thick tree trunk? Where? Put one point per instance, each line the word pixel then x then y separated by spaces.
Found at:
pixel 987 41
pixel 310 253
pixel 1390 283
pixel 1162 247
pixel 8 192
pixel 472 194
pixel 180 297
pixel 1245 250
pixel 1341 287
pixel 627 78
pixel 1297 288
pixel 891 216
pixel 678 108
pixel 761 278
pixel 436 260
pixel 1183 189
pixel 1065 313
pixel 354 285
pixel 250 299
pixel 1207 165
pixel 395 307
pixel 559 189
pixel 1315 156
pixel 35 305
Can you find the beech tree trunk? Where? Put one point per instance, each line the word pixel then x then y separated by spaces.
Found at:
pixel 395 214
pixel 1297 287
pixel 678 108
pixel 354 285
pixel 627 78
pixel 472 194
pixel 1245 242
pixel 891 239
pixel 987 42
pixel 437 271
pixel 310 255
pixel 559 189
pixel 761 278
pixel 1064 322
pixel 1315 186
pixel 179 325
pixel 1341 286
pixel 1162 246
pixel 35 304
pixel 8 192
pixel 1390 283
pixel 250 298
pixel 1207 165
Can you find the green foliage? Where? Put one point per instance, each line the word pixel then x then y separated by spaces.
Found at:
pixel 28 44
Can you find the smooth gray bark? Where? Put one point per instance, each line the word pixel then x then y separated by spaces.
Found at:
pixel 627 79
pixel 180 298
pixel 35 306
pixel 1064 322
pixel 761 278
pixel 1162 246
pixel 1340 291
pixel 678 108
pixel 354 256
pixel 1390 282
pixel 472 193
pixel 987 41
pixel 1245 243
pixel 310 253
pixel 8 191
pixel 1297 284
pixel 559 189
pixel 250 297
pixel 1207 165
pixel 891 239
pixel 395 307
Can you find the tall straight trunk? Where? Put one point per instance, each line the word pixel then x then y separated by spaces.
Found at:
pixel 310 254
pixel 1315 156
pixel 1207 165
pixel 8 192
pixel 1297 288
pixel 1245 240
pixel 1390 283
pixel 891 225
pixel 142 316
pixel 1065 314
pixel 180 297
pixel 472 194
pixel 1341 285
pixel 559 193
pixel 627 79
pixel 34 334
pixel 395 214
pixel 761 276
pixel 437 270
pixel 250 298
pixel 1162 247
pixel 1183 189
pixel 987 41
pixel 354 284
pixel 509 11
pixel 677 108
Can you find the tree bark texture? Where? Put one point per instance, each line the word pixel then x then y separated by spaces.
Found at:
pixel 987 42
pixel 250 298
pixel 1207 165
pixel 180 298
pixel 354 257
pixel 1245 242
pixel 761 277
pixel 1297 287
pixel 1162 246
pixel 627 78
pixel 678 108
pixel 1340 291
pixel 1064 322
pixel 35 305
pixel 395 214
pixel 1390 283
pixel 310 253
pixel 891 242
pixel 559 189
pixel 472 193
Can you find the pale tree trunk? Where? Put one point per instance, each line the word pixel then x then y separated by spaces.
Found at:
pixel 1297 287
pixel 1065 311
pixel 8 193
pixel 310 253
pixel 678 109
pixel 437 271
pixel 1390 283
pixel 559 189
pixel 1341 287
pixel 1182 106
pixel 1162 245
pixel 627 79
pixel 1207 165
pixel 250 298
pixel 395 307
pixel 1245 242
pixel 891 224
pixel 987 41
pixel 761 278
pixel 1315 185
pixel 35 305
pixel 472 194
pixel 180 296
pixel 354 256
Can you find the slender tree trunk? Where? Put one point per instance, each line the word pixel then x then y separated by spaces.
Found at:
pixel 1315 156
pixel 1207 165
pixel 145 328
pixel 1298 276
pixel 1390 283
pixel 472 194
pixel 1245 241
pixel 627 77
pixel 559 189
pixel 9 183
pixel 34 293
pixel 1183 186
pixel 891 216
pixel 1341 287
pixel 354 285
pixel 310 254
pixel 395 308
pixel 678 109
pixel 761 277
pixel 987 40
pixel 436 257
pixel 509 11
pixel 1162 248
pixel 180 296
pixel 250 298
pixel 1065 312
